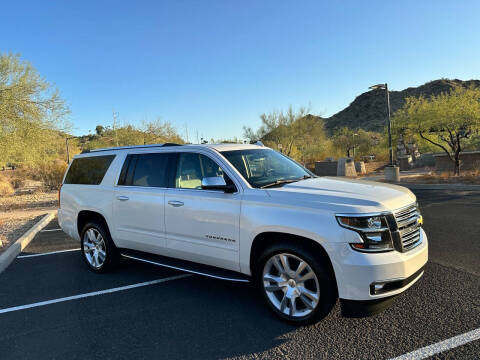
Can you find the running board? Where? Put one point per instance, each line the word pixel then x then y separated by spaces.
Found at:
pixel 183 265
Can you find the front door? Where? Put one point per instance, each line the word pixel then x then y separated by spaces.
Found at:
pixel 202 225
pixel 139 202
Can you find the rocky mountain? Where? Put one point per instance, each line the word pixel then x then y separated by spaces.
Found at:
pixel 368 112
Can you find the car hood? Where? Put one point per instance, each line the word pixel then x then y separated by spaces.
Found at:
pixel 344 195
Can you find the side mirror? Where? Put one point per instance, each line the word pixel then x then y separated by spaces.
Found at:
pixel 216 183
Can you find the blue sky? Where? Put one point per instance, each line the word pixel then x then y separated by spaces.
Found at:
pixel 214 66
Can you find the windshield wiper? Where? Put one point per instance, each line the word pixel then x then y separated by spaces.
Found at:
pixel 284 181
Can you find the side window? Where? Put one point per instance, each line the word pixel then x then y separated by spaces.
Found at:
pixel 149 170
pixel 88 170
pixel 126 169
pixel 192 168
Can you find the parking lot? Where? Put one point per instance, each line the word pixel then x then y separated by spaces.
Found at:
pixel 52 306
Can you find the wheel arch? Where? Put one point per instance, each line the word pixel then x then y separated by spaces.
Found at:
pixel 86 216
pixel 263 240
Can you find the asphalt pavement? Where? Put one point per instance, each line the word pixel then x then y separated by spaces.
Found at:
pixel 52 306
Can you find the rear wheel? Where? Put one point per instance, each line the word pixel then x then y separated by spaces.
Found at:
pixel 295 284
pixel 98 249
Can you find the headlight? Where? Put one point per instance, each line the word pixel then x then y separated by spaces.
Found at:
pixel 374 231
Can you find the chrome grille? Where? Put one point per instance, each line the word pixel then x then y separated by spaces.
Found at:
pixel 408 226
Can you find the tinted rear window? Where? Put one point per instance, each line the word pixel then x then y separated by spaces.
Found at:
pixel 88 170
pixel 150 170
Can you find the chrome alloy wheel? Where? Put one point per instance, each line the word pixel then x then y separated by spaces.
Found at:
pixel 94 248
pixel 291 285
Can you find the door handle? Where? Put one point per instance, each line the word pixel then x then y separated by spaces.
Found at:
pixel 175 203
pixel 122 198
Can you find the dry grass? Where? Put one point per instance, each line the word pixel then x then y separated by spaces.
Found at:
pixel 432 177
pixel 6 189
pixel 49 174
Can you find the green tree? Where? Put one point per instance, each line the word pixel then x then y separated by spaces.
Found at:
pixel 32 114
pixel 353 143
pixel 446 121
pixel 99 129
pixel 296 133
pixel 344 140
pixel 311 140
pixel 159 131
pixel 155 132
pixel 278 128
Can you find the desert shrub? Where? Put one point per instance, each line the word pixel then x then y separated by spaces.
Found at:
pixel 53 174
pixel 6 189
pixel 50 173
pixel 17 177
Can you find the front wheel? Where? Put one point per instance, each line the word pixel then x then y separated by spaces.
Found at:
pixel 295 284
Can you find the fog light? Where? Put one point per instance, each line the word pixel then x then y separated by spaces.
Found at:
pixel 378 288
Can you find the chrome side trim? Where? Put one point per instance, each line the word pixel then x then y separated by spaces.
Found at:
pixel 183 269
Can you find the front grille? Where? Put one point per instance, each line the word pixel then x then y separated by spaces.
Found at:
pixel 408 226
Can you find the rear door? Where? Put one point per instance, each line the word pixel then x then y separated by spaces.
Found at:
pixel 202 225
pixel 139 201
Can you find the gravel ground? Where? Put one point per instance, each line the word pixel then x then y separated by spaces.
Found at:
pixel 11 228
pixel 41 200
pixel 20 212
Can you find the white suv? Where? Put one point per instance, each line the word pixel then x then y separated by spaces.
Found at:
pixel 247 213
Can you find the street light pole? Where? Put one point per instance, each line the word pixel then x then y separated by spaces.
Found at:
pixel 389 125
pixel 391 171
pixel 354 134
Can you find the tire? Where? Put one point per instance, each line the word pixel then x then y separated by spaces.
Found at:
pixel 279 289
pixel 98 250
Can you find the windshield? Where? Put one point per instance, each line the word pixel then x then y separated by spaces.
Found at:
pixel 265 167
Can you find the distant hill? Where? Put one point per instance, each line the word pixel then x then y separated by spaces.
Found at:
pixel 368 112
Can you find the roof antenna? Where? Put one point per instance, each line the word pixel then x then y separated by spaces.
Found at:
pixel 259 143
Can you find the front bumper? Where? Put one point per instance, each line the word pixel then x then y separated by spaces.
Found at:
pixel 357 273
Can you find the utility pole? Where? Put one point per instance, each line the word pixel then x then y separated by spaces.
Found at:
pixel 115 117
pixel 186 132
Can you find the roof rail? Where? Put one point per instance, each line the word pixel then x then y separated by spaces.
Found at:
pixel 131 147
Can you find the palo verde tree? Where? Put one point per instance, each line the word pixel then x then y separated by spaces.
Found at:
pixel 32 114
pixel 153 132
pixel 447 120
pixel 346 140
pixel 281 129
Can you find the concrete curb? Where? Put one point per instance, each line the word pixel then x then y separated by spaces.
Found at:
pixel 455 187
pixel 16 248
